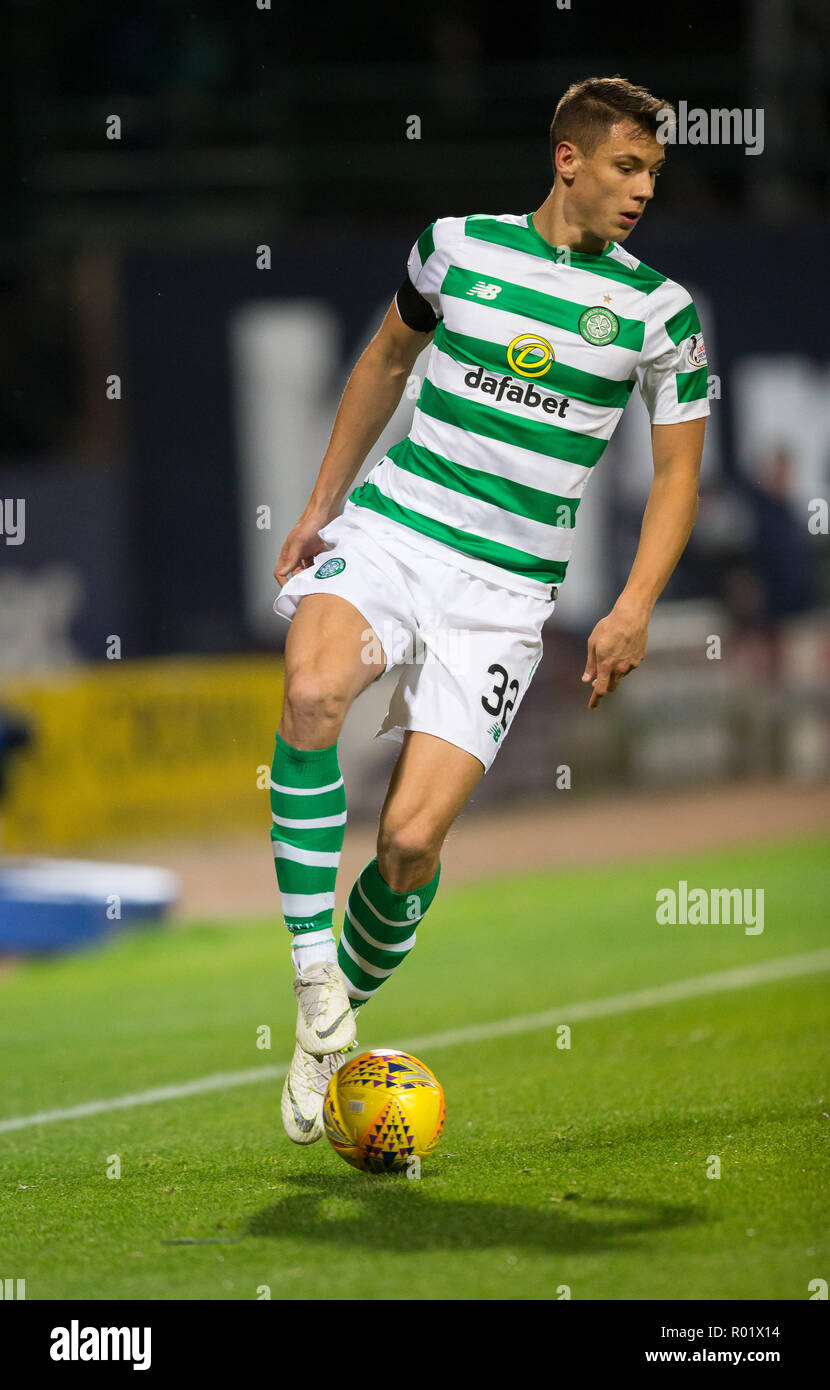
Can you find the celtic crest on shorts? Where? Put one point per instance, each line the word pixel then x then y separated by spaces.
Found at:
pixel 330 568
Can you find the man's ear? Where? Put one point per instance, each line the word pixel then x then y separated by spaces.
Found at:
pixel 567 161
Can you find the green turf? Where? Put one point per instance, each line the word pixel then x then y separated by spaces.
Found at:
pixel 583 1168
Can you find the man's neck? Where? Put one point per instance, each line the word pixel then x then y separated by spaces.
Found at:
pixel 552 223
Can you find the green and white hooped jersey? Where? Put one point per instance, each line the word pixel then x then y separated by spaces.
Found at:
pixel 534 358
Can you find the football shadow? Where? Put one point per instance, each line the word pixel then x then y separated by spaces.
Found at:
pixel 398 1214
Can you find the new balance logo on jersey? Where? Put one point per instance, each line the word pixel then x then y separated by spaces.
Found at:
pixel 516 391
pixel 482 290
pixel 496 731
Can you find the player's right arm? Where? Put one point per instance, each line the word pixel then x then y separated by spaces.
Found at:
pixel 371 396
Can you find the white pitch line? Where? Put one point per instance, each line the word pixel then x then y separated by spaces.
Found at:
pixel 220 1081
pixel 743 977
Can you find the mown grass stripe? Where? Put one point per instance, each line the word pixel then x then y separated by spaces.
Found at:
pixel 675 991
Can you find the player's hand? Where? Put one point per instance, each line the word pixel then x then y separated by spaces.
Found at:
pixel 616 646
pixel 302 543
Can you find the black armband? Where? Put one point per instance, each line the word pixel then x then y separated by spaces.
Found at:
pixel 416 312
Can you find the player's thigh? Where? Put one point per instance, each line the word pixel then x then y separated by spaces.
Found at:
pixel 431 783
pixel 331 646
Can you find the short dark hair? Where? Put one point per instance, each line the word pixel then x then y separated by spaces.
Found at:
pixel 588 109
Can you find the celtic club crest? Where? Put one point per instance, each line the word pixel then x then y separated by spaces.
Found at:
pixel 599 325
pixel 330 568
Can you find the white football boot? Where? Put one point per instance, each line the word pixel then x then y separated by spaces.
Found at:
pixel 304 1089
pixel 325 1019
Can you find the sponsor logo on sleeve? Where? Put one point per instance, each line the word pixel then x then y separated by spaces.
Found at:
pixel 697 350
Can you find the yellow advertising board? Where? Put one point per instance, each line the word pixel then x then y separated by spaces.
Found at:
pixel 141 748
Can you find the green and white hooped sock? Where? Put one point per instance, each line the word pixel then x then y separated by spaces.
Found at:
pixel 308 815
pixel 378 930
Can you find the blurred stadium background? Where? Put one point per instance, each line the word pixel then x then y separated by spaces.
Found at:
pixel 180 307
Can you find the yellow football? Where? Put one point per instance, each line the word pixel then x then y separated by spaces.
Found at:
pixel 384 1111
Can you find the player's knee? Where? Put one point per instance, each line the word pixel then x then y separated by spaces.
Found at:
pixel 312 701
pixel 408 844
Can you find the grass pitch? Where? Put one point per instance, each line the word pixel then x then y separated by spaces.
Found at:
pixel 581 1168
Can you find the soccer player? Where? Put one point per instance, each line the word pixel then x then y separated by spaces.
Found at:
pixel 541 325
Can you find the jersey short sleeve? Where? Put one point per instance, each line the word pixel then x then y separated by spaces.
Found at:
pixel 425 271
pixel 673 372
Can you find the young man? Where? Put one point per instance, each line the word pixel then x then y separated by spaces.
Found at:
pixel 541 326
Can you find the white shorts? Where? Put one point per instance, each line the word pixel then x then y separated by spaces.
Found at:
pixel 468 648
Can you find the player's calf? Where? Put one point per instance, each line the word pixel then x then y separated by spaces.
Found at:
pixel 379 930
pixel 308 823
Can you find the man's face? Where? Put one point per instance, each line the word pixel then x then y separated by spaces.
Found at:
pixel 611 187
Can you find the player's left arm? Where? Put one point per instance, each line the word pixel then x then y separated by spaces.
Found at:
pixel 617 644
